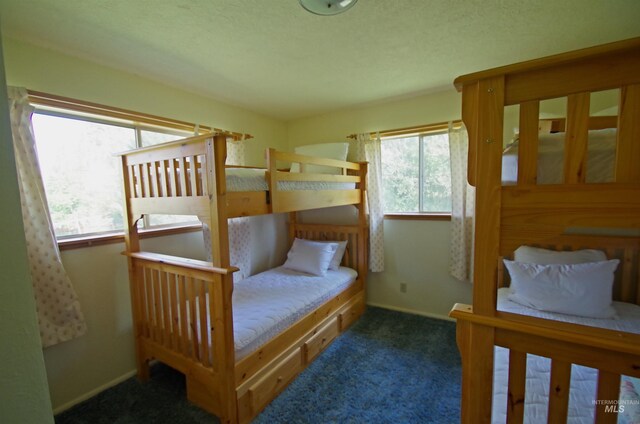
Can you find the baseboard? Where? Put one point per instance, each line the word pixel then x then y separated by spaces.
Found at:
pixel 94 392
pixel 411 311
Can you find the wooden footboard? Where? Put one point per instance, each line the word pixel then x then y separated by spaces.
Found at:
pixel 611 353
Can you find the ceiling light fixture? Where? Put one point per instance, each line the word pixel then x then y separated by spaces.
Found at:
pixel 327 7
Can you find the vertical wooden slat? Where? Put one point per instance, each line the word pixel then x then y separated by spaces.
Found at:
pixel 199 175
pixel 204 326
pixel 174 177
pixel 559 391
pixel 166 318
pixel 528 143
pixel 131 176
pixel 628 153
pixel 166 178
pixel 160 177
pixel 627 283
pixel 184 327
pixel 157 307
pixel 143 314
pixel 517 380
pixel 184 177
pixel 142 180
pixel 608 390
pixel 175 325
pixel 203 174
pixel 576 137
pixel 148 282
pixel 153 178
pixel 193 172
pixel 193 323
pixel 147 179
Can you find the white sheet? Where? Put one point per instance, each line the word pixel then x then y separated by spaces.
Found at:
pixel 266 304
pixel 583 379
pixel 600 160
pixel 250 179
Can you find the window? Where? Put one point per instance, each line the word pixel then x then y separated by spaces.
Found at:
pixel 81 175
pixel 416 174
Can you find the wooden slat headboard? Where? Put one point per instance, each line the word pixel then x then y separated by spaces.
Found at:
pixel 350 233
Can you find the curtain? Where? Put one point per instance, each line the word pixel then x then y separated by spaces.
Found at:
pixel 59 315
pixel 239 228
pixel 462 207
pixel 369 149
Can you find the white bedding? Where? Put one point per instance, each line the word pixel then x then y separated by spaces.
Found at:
pixel 266 304
pixel 583 379
pixel 600 160
pixel 250 179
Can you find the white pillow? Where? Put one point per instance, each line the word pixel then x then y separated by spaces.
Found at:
pixel 337 257
pixel 536 255
pixel 336 151
pixel 310 257
pixel 575 289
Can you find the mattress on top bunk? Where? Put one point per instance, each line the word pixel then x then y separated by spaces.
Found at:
pixel 266 304
pixel 251 179
pixel 600 158
pixel 583 379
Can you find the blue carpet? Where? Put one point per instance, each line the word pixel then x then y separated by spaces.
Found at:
pixel 389 367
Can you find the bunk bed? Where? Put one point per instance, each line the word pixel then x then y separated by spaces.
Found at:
pixel 182 308
pixel 501 344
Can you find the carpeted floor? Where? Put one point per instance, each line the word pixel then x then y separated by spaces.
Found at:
pixel 389 367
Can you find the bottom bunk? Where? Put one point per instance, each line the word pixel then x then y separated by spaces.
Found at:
pixel 563 344
pixel 581 408
pixel 281 320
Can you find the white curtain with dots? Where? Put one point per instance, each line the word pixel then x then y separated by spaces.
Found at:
pixel 463 197
pixel 369 149
pixel 59 315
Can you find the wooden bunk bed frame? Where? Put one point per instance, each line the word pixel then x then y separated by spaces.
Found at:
pixel 173 321
pixel 531 214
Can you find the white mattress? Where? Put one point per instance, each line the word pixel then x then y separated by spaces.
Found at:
pixel 266 304
pixel 583 379
pixel 249 179
pixel 600 160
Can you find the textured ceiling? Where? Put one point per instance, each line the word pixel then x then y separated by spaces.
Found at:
pixel 272 57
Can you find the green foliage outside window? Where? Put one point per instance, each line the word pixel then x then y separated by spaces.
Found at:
pixel 416 174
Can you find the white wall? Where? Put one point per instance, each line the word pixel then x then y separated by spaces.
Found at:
pixel 23 386
pixel 416 252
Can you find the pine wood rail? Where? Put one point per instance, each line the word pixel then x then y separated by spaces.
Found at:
pixel 181 262
pixel 574 333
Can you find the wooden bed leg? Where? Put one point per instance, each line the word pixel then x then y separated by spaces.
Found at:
pixel 476 348
pixel 143 369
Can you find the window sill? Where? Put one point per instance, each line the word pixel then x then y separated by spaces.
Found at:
pixel 419 216
pixel 97 240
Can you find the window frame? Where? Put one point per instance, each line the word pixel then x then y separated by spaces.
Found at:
pixel 420 215
pixel 66 108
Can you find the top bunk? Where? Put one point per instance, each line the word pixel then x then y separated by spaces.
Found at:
pixel 528 208
pixel 189 177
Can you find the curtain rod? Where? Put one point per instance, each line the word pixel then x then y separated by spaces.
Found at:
pixel 419 129
pixel 52 100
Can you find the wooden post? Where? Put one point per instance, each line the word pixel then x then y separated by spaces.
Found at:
pixel 221 312
pixel 136 278
pixel 628 152
pixel 363 251
pixel 486 137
